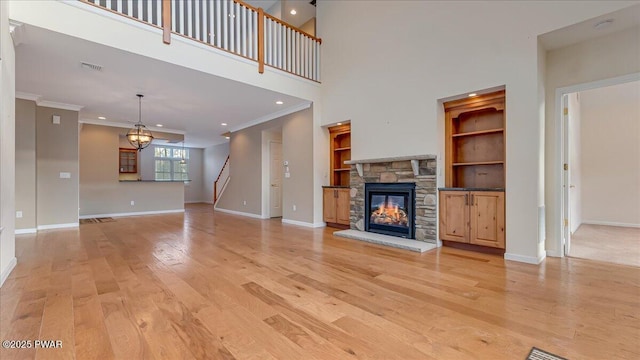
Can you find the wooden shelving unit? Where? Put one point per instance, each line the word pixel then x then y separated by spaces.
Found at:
pixel 339 152
pixel 472 209
pixel 475 151
pixel 128 161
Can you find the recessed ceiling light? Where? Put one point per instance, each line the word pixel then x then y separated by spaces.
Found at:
pixel 338 123
pixel 159 125
pixel 224 124
pixel 102 118
pixel 603 24
pixel 279 102
pixel 293 12
pixel 473 94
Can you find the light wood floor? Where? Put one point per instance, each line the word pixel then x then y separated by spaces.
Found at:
pixel 620 245
pixel 208 286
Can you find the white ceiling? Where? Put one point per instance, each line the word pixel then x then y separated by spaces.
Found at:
pixel 48 64
pixel 622 19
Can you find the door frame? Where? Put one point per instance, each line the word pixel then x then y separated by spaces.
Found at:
pixel 560 182
pixel 269 215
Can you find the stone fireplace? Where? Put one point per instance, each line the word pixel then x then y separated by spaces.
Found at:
pixel 419 171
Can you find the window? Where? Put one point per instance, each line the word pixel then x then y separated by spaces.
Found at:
pixel 168 163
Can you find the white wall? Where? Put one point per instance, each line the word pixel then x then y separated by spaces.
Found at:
pixel 386 71
pixel 610 137
pixel 575 162
pixel 213 160
pixel 605 57
pixel 7 146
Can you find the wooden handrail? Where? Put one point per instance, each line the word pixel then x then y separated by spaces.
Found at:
pixel 215 183
pixel 293 27
pixel 246 5
pixel 165 25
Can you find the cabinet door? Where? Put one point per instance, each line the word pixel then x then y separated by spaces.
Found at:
pixel 329 211
pixel 343 206
pixel 487 218
pixel 454 216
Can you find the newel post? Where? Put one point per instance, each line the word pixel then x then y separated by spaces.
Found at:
pixel 166 21
pixel 260 40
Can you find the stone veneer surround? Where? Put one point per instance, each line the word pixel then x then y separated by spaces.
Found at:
pixel 418 169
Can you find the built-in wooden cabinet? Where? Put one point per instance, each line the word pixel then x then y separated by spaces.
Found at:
pixel 473 217
pixel 472 205
pixel 336 209
pixel 339 152
pixel 474 142
pixel 128 161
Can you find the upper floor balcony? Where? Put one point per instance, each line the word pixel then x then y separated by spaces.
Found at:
pixel 229 25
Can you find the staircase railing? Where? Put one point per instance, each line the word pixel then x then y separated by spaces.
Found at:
pixel 221 181
pixel 229 25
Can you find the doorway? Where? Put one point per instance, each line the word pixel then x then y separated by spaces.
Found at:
pixel 600 125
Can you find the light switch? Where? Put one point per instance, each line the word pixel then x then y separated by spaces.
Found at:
pixel 65 175
pixel 56 119
pixel 287 175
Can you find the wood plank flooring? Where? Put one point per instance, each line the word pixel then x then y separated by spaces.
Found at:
pixel 207 285
pixel 615 244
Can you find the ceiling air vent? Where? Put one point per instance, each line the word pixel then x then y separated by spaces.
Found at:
pixel 88 66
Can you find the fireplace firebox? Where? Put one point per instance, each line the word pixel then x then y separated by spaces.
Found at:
pixel 390 209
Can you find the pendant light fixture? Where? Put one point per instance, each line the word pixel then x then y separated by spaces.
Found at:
pixel 139 137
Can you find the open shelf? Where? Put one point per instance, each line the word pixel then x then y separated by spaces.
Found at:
pixel 481 132
pixel 479 163
pixel 340 152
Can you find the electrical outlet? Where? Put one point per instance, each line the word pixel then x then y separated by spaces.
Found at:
pixel 18 214
pixel 133 203
pixel 287 175
pixel 294 208
pixel 244 202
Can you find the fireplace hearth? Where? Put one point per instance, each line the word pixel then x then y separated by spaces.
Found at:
pixel 390 209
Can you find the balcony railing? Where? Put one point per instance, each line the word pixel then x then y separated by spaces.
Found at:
pixel 229 25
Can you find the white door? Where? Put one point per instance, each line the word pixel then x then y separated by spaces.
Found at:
pixel 275 179
pixel 566 201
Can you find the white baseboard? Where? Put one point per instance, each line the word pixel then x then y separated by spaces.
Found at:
pixel 610 223
pixel 233 212
pixel 305 224
pixel 26 231
pixel 525 259
pixel 7 271
pixel 137 213
pixel 554 253
pixel 58 226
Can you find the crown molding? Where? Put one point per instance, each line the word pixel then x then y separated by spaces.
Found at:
pixel 129 125
pixel 272 116
pixel 27 96
pixel 59 105
pixel 45 103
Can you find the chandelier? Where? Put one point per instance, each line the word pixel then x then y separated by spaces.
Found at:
pixel 139 137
